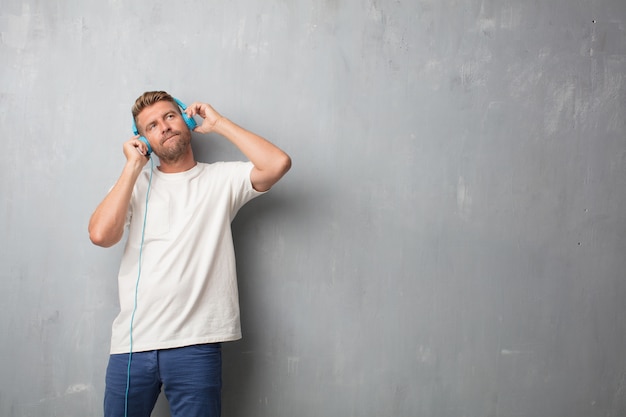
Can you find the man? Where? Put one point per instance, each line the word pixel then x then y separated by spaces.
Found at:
pixel 177 280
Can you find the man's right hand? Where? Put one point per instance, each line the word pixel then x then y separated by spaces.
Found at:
pixel 136 151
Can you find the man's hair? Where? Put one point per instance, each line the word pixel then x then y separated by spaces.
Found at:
pixel 148 99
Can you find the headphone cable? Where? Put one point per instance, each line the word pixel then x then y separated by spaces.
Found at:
pixel 132 317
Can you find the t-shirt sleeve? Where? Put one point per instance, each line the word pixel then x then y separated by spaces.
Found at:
pixel 241 185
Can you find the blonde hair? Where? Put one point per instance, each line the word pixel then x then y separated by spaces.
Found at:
pixel 148 99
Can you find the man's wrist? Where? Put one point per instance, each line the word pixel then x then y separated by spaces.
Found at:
pixel 221 125
pixel 134 166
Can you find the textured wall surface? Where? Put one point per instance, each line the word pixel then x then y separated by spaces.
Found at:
pixel 451 239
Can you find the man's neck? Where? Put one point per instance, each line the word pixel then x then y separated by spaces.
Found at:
pixel 180 165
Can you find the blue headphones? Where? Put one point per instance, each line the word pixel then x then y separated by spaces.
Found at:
pixel 189 120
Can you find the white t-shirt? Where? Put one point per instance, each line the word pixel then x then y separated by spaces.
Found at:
pixel 187 290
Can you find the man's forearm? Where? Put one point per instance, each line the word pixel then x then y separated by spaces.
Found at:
pixel 106 226
pixel 270 162
pixel 260 151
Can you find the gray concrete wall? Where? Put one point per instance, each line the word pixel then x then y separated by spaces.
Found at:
pixel 451 239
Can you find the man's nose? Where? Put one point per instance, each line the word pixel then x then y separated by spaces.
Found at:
pixel 164 126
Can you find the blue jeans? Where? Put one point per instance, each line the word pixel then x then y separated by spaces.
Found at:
pixel 191 377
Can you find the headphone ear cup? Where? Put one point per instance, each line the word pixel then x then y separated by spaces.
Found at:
pixel 144 140
pixel 190 122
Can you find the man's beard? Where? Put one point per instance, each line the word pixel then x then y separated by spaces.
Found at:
pixel 175 148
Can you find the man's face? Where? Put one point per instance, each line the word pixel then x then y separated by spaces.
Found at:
pixel 166 130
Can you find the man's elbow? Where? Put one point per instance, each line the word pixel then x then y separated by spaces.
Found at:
pixel 284 165
pixel 281 166
pixel 105 240
pixel 263 180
